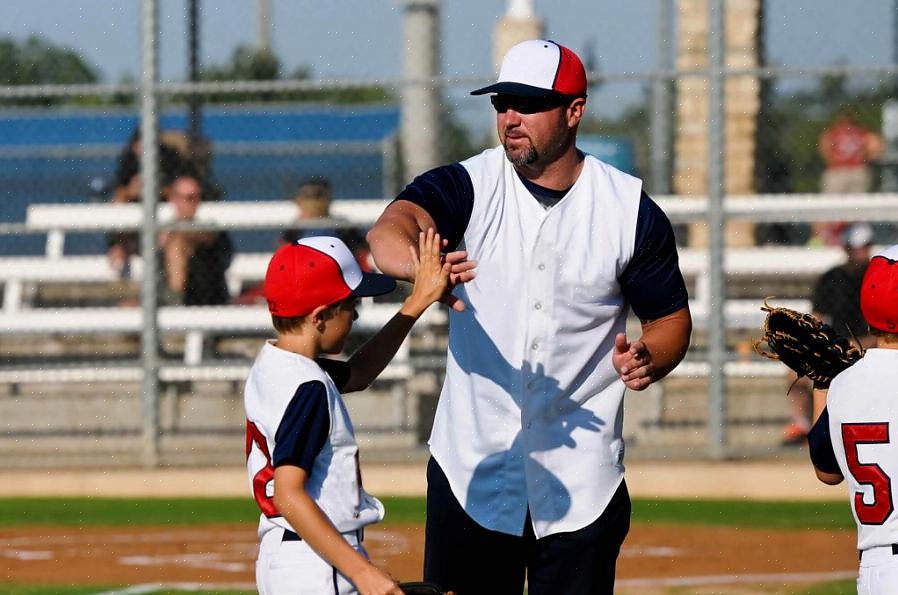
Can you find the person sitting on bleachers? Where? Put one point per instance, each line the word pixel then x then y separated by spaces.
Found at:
pixel 193 262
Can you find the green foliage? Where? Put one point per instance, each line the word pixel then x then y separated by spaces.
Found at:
pixel 634 124
pixel 38 62
pixel 250 64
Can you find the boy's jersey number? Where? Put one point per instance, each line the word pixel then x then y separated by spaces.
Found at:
pixel 265 474
pixel 870 474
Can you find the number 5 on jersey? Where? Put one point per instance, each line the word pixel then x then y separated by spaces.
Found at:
pixel 870 474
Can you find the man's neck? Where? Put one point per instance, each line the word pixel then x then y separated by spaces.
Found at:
pixel 556 175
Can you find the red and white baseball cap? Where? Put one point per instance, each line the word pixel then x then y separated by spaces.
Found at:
pixel 879 291
pixel 314 272
pixel 539 68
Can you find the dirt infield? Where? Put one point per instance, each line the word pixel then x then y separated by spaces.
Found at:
pixel 654 555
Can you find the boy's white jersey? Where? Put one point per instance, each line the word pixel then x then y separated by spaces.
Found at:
pixel 334 481
pixel 863 423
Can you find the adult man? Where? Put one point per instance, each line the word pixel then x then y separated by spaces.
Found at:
pixel 854 434
pixel 836 301
pixel 527 472
pixel 194 262
pixel 847 149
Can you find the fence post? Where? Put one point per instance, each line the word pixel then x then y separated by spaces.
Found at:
pixel 149 133
pixel 717 405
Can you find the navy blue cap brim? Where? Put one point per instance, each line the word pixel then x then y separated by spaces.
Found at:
pixel 374 284
pixel 516 89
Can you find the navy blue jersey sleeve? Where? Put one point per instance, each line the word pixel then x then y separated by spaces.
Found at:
pixel 338 370
pixel 447 194
pixel 652 282
pixel 304 428
pixel 820 445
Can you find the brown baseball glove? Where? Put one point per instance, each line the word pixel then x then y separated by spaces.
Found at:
pixel 419 588
pixel 807 345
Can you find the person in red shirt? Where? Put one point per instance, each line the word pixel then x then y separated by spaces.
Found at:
pixel 847 148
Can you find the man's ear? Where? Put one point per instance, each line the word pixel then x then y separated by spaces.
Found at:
pixel 575 111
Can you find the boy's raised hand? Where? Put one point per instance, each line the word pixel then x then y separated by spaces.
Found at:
pixel 431 274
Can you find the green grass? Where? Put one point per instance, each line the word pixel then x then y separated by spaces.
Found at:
pixel 745 513
pixel 15 589
pixel 23 512
pixel 837 588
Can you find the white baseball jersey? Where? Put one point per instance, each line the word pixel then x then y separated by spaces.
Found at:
pixel 863 424
pixel 295 415
pixel 530 412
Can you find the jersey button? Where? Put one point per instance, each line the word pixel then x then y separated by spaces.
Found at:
pixel 538 306
pixel 541 266
pixel 534 346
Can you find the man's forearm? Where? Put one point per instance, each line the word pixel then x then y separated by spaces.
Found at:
pixel 667 340
pixel 390 250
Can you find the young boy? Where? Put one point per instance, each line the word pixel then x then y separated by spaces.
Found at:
pixel 856 431
pixel 302 456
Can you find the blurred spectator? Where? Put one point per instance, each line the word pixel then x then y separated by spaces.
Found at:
pixel 847 149
pixel 193 262
pixel 126 187
pixel 313 200
pixel 836 301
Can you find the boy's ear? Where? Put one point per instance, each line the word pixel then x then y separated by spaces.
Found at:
pixel 319 314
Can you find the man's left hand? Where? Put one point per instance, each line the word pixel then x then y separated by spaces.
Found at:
pixel 632 362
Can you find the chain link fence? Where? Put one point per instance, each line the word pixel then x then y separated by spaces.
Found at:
pixel 807 159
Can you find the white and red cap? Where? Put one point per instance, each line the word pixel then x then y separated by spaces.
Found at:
pixel 879 291
pixel 539 68
pixel 314 272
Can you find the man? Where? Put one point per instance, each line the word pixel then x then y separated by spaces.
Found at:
pixel 194 262
pixel 847 149
pixel 852 437
pixel 527 468
pixel 836 301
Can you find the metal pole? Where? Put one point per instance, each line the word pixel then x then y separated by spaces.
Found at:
pixel 716 220
pixel 661 105
pixel 194 115
pixel 149 133
pixel 263 25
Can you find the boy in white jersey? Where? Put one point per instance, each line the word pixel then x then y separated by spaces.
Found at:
pixel 302 457
pixel 856 431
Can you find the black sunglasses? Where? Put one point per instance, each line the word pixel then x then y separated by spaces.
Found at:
pixel 527 105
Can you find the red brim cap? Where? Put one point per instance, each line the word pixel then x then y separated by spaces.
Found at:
pixel 879 291
pixel 314 272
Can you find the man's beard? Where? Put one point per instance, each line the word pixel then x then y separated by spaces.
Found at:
pixel 523 158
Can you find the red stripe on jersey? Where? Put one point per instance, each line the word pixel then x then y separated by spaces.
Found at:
pixel 265 474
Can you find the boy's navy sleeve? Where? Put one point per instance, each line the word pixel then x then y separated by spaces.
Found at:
pixel 820 445
pixel 652 282
pixel 304 427
pixel 447 194
pixel 338 370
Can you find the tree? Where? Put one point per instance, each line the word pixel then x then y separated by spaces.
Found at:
pixel 38 62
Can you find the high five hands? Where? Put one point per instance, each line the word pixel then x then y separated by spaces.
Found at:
pixel 632 362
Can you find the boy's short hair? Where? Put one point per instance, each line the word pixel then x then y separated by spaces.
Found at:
pixel 887 336
pixel 285 325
